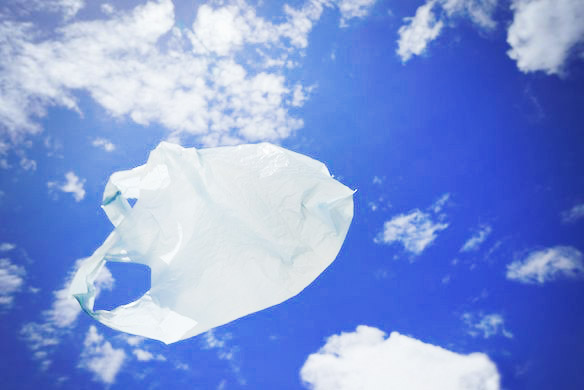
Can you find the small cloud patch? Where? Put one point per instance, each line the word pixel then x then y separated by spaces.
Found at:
pixel 11 282
pixel 73 185
pixel 100 358
pixel 485 325
pixel 104 144
pixel 415 230
pixel 574 214
pixel 42 337
pixel 546 265
pixel 473 243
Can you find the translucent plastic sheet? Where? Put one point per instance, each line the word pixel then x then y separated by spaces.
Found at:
pixel 225 231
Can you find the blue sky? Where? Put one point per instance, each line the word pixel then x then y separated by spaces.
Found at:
pixel 458 122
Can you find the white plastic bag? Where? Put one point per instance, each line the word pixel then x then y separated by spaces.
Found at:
pixel 225 231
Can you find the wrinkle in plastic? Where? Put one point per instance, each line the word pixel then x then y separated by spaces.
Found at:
pixel 226 232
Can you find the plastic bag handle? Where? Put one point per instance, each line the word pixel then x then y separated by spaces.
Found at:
pixel 121 186
pixel 143 317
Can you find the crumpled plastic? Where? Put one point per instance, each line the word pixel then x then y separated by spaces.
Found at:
pixel 226 232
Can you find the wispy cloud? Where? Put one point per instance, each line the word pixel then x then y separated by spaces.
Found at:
pixel 11 280
pixel 485 325
pixel 430 18
pixel 6 246
pixel 107 8
pixel 473 243
pixel 545 33
pixel 574 214
pixel 351 9
pixel 100 358
pixel 105 144
pixel 57 321
pixel 225 351
pixel 440 203
pixel 72 185
pixel 546 265
pixel 366 359
pixel 67 8
pixel 415 230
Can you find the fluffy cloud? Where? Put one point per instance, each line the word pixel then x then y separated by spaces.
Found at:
pixel 57 321
pixel 485 325
pixel 574 214
pixel 365 359
pixel 416 230
pixel 72 185
pixel 473 243
pixel 544 33
pixel 105 144
pixel 140 65
pixel 546 265
pixel 100 358
pixel 11 280
pixel 419 30
pixel 426 25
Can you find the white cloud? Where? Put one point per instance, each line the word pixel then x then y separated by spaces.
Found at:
pixel 574 214
pixel 220 343
pixel 354 9
pixel 440 203
pixel 485 325
pixel 28 164
pixel 544 34
pixel 6 246
pixel 419 30
pixel 426 25
pixel 100 358
pixel 72 185
pixel 57 321
pixel 473 243
pixel 68 8
pixel 416 230
pixel 225 29
pixel 11 281
pixel 546 265
pixel 132 340
pixel 140 65
pixel 212 341
pixel 365 359
pixel 107 8
pixel 105 144
pixel 479 12
pixel 145 356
